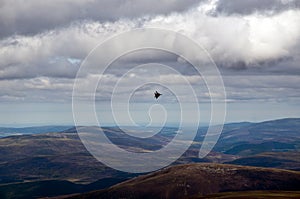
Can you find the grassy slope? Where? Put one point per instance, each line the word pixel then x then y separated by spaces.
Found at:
pixel 253 194
pixel 200 179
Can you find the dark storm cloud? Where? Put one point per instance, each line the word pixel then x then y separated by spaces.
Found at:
pixel 280 66
pixel 246 7
pixel 34 16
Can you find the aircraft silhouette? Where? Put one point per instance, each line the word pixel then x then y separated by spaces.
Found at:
pixel 157 94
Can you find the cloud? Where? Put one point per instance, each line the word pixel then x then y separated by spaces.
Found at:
pixel 51 53
pixel 45 55
pixel 235 42
pixel 38 89
pixel 272 88
pixel 33 17
pixel 239 41
pixel 247 7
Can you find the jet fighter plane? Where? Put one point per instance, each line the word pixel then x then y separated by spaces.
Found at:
pixel 157 94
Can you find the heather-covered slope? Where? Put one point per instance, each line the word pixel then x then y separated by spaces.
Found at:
pixel 195 180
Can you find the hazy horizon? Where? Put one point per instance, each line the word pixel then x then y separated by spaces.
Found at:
pixel 169 125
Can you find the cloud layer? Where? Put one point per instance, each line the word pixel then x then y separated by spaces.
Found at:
pixel 43 43
pixel 34 16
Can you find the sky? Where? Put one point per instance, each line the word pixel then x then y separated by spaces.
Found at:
pixel 254 43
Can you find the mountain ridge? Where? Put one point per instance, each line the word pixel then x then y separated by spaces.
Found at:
pixel 200 179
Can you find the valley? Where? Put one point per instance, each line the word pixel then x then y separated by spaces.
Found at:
pixel 31 163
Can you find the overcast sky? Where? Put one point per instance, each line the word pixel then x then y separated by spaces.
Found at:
pixel 255 44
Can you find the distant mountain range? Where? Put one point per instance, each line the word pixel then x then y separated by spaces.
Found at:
pixel 54 156
pixel 6 131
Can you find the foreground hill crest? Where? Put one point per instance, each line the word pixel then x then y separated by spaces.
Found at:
pixel 195 180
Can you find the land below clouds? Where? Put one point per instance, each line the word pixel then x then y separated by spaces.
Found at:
pixel 53 161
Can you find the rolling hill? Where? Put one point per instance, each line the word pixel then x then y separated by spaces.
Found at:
pixel 254 138
pixel 29 159
pixel 197 180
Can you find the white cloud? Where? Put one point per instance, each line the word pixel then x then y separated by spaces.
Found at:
pixel 35 16
pixel 48 61
pixel 231 40
pixel 250 39
pixel 246 7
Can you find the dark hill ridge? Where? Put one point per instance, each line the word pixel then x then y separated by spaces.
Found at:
pixel 254 138
pixel 48 188
pixel 287 160
pixel 195 180
pixel 283 130
pixel 57 156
